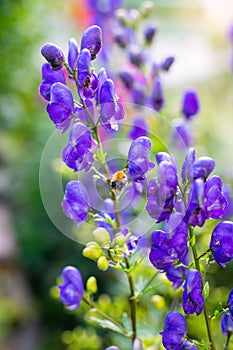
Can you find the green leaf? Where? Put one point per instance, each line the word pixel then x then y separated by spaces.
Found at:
pixel 106 324
pixel 206 290
pixel 219 307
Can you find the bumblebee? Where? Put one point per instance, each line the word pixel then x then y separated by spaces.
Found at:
pixel 119 181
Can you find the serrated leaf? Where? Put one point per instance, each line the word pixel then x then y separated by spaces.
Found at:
pixel 106 324
pixel 206 290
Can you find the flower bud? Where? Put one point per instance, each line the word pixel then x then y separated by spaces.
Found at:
pixel 146 8
pixel 190 103
pixel 101 236
pixel 166 64
pixel 158 301
pixel 92 251
pixel 54 55
pixel 102 263
pixel 91 285
pixel 120 239
pixel 92 40
pixel 122 16
pixel 149 33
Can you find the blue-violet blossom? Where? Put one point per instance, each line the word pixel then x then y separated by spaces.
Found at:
pixel 175 329
pixel 71 289
pixel 221 243
pixel 193 300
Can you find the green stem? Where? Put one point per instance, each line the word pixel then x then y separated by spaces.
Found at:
pixel 133 302
pixel 106 316
pixel 207 319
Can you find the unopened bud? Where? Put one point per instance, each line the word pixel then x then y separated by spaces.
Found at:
pixel 54 55
pixel 91 285
pixel 101 236
pixel 102 263
pixel 146 8
pixel 92 251
pixel 122 16
pixel 158 302
pixel 120 239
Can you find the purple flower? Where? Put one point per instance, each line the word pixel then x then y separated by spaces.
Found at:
pixel 193 300
pixel 72 54
pixel 175 329
pixel 77 153
pixel 214 200
pixel 176 275
pixel 156 98
pixel 139 127
pixel 49 77
pixel 221 242
pixel 138 162
pixel 149 33
pixel 61 106
pixel 87 80
pixel 110 109
pixel 190 103
pixel 196 214
pixel 136 56
pixel 138 96
pixel 126 78
pixel 170 246
pixel 230 303
pixel 227 191
pixel 181 136
pixel 76 202
pixel 187 168
pixel 161 192
pixel 71 289
pixel 54 55
pixel 226 325
pixel 166 64
pixel 92 40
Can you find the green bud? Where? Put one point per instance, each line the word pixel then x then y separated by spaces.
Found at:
pixel 122 16
pixel 158 302
pixel 92 251
pixel 146 8
pixel 91 285
pixel 120 239
pixel 101 236
pixel 102 263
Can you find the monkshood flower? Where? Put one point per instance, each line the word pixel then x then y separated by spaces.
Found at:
pixel 149 33
pixel 72 54
pixel 167 63
pixel 77 153
pixel 138 162
pixel 76 202
pixel 136 56
pixel 215 201
pixel 71 289
pixel 126 78
pixel 61 106
pixel 193 300
pixel 195 214
pixel 227 191
pixel 170 246
pixel 190 103
pixel 175 330
pixel 87 79
pixel 176 275
pixel 181 136
pixel 111 111
pixel 156 98
pixel 139 127
pixel 230 303
pixel 196 168
pixel 226 325
pixel 221 243
pixel 161 191
pixel 92 40
pixel 54 55
pixel 49 77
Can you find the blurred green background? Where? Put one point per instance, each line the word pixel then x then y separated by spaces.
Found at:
pixel 33 251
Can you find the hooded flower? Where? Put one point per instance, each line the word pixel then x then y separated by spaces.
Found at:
pixel 161 191
pixel 54 55
pixel 157 98
pixel 72 54
pixel 71 289
pixel 221 242
pixel 138 162
pixel 77 153
pixel 175 329
pixel 193 300
pixel 190 103
pixel 226 324
pixel 49 77
pixel 214 200
pixel 92 40
pixel 61 106
pixel 139 127
pixel 110 109
pixel 76 202
pixel 87 79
